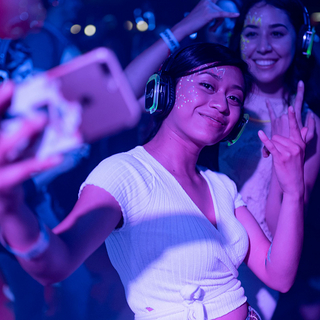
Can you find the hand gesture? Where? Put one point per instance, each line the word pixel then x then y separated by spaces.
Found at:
pixel 280 125
pixel 202 14
pixel 288 155
pixel 14 167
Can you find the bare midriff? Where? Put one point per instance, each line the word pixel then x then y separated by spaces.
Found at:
pixel 239 314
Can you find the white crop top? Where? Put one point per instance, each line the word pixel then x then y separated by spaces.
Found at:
pixel 170 258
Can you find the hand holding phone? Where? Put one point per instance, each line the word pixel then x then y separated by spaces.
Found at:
pixel 85 99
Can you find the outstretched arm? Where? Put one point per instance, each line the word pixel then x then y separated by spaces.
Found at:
pixel 149 61
pixel 277 265
pixel 93 218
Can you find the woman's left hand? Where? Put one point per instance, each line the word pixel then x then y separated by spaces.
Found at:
pixel 288 154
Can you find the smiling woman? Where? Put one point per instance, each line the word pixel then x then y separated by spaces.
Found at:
pixel 268 43
pixel 199 83
pixel 269 37
pixel 222 88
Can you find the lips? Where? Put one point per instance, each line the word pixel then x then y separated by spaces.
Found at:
pixel 214 119
pixel 265 62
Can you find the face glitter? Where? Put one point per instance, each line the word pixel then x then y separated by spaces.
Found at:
pixel 252 19
pixel 182 99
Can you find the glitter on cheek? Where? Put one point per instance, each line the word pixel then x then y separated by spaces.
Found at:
pixel 243 47
pixel 184 92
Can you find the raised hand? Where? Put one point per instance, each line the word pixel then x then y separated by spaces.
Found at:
pixel 14 167
pixel 280 126
pixel 202 14
pixel 288 155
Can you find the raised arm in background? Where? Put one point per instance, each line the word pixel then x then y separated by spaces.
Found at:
pixel 277 265
pixel 312 157
pixel 142 67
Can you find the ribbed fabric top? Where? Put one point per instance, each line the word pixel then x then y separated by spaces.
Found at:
pixel 169 256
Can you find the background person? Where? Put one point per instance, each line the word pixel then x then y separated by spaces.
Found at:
pixel 268 35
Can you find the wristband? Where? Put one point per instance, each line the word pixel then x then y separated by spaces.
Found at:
pixel 170 40
pixel 35 250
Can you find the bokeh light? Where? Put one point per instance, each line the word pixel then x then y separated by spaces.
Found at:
pixel 76 28
pixel 142 26
pixel 128 25
pixel 315 17
pixel 90 30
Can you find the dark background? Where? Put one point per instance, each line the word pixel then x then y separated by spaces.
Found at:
pixel 109 17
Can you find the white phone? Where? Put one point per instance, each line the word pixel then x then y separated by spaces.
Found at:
pixel 87 98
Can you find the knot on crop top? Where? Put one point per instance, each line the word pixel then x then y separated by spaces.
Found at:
pixel 192 299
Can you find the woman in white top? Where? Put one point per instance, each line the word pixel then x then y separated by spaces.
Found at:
pixel 269 36
pixel 175 232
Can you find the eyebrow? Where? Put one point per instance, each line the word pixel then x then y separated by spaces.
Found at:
pixel 212 75
pixel 276 25
pixel 234 86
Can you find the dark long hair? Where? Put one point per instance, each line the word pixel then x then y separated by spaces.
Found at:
pixel 301 67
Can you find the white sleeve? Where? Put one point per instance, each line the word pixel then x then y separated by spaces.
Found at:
pixel 126 179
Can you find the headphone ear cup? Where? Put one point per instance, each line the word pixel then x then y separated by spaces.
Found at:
pixel 236 132
pixel 170 88
pixel 306 35
pixel 158 94
pixel 303 39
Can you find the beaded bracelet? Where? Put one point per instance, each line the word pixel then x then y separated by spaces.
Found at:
pixel 170 40
pixel 36 249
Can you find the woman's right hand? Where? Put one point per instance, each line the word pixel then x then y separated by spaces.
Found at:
pixel 14 167
pixel 203 13
pixel 288 155
pixel 280 125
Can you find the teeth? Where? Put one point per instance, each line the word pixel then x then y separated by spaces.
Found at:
pixel 265 62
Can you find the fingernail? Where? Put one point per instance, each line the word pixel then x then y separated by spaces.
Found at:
pixel 300 83
pixel 291 109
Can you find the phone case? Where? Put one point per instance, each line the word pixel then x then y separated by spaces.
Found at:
pixel 86 99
